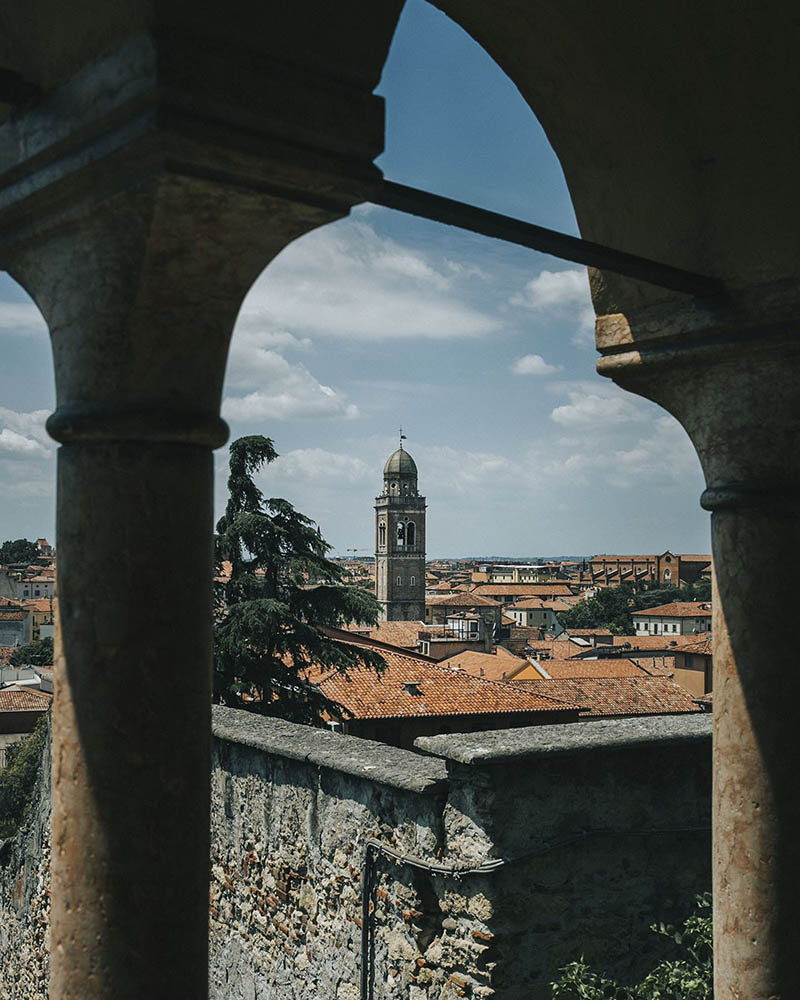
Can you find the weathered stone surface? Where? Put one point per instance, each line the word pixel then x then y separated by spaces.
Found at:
pixel 516 744
pixel 25 899
pixel 599 839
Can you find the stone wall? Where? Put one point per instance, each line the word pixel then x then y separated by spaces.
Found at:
pixel 597 829
pixel 25 899
pixel 602 828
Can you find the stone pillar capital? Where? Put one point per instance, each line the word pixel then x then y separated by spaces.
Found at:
pixel 729 373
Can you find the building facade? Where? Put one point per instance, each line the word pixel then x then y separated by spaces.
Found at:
pixel 400 541
pixel 678 618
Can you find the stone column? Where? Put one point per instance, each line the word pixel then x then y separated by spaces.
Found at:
pixel 140 291
pixel 734 384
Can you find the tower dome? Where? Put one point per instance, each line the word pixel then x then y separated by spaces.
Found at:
pixel 400 463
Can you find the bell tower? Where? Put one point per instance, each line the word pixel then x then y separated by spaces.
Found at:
pixel 400 541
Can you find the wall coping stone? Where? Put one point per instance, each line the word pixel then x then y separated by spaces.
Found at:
pixel 502 745
pixel 366 759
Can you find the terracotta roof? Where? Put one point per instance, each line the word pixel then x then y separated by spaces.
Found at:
pixel 494 666
pixel 5 653
pixel 560 649
pixel 678 609
pixel 656 666
pixel 700 644
pixel 573 669
pixel 403 634
pixel 615 696
pixel 17 698
pixel 471 600
pixel 666 642
pixel 9 602
pixel 367 694
pixel 39 604
pixel 558 605
pixel 522 589
pixel 589 631
pixel 12 616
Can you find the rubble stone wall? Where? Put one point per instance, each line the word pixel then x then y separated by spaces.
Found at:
pixel 25 899
pixel 603 828
pixel 597 830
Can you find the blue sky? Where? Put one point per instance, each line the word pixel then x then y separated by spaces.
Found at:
pixel 482 351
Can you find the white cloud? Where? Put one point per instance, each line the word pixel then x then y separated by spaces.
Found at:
pixel 26 454
pixel 11 442
pixel 21 318
pixel 317 465
pixel 554 290
pixel 592 409
pixel 270 387
pixel 308 401
pixel 445 469
pixel 255 361
pixel 561 293
pixel 533 364
pixel 347 281
pixel 24 433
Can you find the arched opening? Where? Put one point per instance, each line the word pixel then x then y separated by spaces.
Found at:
pixel 658 184
pixel 411 531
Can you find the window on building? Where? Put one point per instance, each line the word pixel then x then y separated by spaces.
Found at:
pixel 411 531
pixel 382 535
pixel 401 535
pixel 413 580
pixel 399 581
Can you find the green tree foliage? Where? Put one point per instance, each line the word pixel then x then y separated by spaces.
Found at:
pixel 613 606
pixel 611 609
pixel 18 551
pixel 19 777
pixel 282 589
pixel 37 654
pixel 688 977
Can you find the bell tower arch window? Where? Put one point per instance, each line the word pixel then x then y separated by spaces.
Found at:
pixel 411 531
pixel 382 535
pixel 401 535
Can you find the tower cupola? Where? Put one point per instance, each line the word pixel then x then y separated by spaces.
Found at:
pixel 400 474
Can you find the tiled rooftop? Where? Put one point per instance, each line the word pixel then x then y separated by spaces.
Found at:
pixel 574 669
pixel 677 609
pixel 23 699
pixel 493 666
pixel 395 633
pixel 617 696
pixel 412 686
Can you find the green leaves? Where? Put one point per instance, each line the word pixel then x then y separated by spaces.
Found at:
pixel 281 592
pixel 689 977
pixel 18 551
pixel 19 777
pixel 38 654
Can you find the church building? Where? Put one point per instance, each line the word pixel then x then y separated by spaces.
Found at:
pixel 400 541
